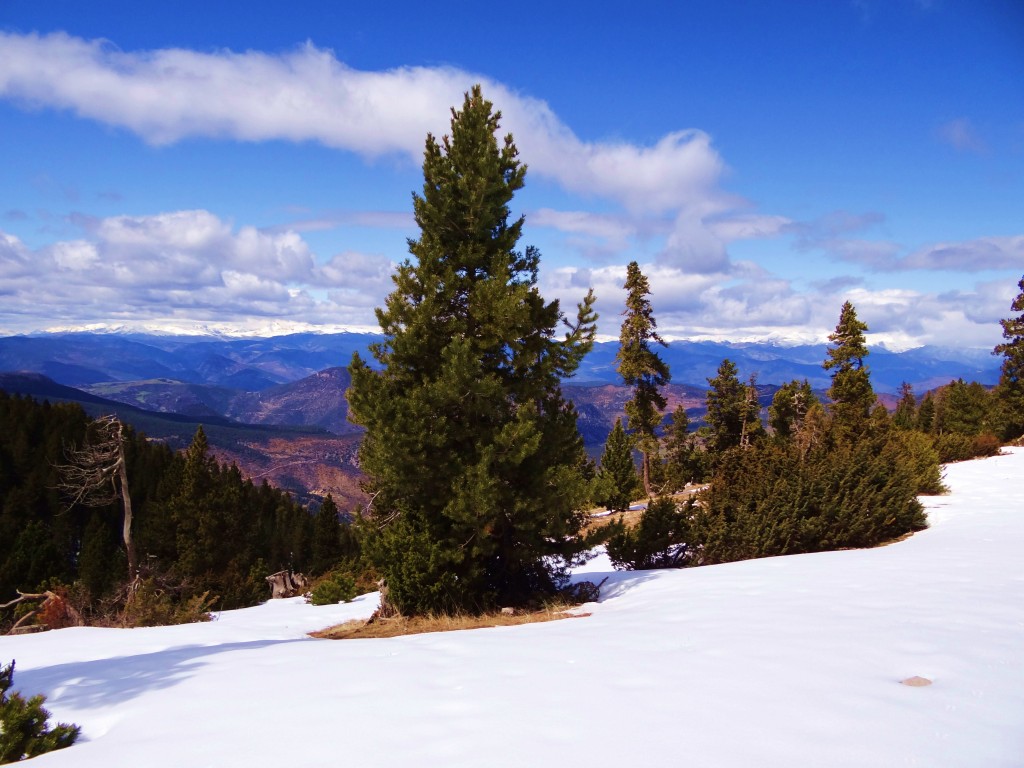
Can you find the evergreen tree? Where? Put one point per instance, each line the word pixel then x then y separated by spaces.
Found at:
pixel 683 459
pixel 851 392
pixel 926 414
pixel 906 409
pixel 617 476
pixel 642 368
pixel 789 408
pixel 965 408
pixel 473 458
pixel 327 544
pixel 727 409
pixel 1010 391
pixel 658 540
pixel 24 730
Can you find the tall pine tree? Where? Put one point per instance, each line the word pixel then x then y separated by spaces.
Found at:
pixel 851 392
pixel 1011 381
pixel 642 368
pixel 473 458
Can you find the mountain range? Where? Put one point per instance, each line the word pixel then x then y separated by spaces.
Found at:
pixel 276 406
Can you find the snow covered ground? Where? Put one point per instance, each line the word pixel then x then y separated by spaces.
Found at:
pixel 793 661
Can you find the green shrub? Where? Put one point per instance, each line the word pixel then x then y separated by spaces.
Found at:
pixel 153 604
pixel 334 588
pixel 659 539
pixel 786 498
pixel 954 446
pixel 24 732
pixel 917 451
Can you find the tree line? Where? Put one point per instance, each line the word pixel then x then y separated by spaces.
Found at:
pixel 202 536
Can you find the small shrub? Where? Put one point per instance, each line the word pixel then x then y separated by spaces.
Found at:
pixel 986 444
pixel 153 605
pixel 24 732
pixel 954 446
pixel 334 588
pixel 657 541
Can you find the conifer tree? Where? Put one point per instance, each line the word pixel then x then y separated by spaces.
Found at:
pixel 789 408
pixel 473 458
pixel 1011 380
pixel 926 414
pixel 851 392
pixel 906 409
pixel 726 408
pixel 327 544
pixel 24 728
pixel 642 368
pixel 683 459
pixel 617 474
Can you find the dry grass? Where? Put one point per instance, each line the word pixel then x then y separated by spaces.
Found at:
pixel 631 517
pixel 402 625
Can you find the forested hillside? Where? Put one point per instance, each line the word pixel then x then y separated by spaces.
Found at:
pixel 199 527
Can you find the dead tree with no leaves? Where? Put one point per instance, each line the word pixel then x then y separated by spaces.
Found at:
pixel 96 475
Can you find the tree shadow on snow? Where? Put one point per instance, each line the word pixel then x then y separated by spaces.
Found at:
pixel 116 680
pixel 616 583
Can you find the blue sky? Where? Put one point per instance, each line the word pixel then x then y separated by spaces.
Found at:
pixel 249 166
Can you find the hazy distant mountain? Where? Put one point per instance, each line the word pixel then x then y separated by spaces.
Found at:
pixel 255 365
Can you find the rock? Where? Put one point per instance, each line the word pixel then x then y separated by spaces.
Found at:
pixel 916 682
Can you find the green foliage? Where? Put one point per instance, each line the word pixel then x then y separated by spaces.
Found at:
pixel 789 408
pixel 337 587
pixel 732 410
pixel 964 408
pixel 24 730
pixel 1010 391
pixel 658 540
pixel 684 460
pixel 155 603
pixel 333 540
pixel 642 368
pixel 472 455
pixel 617 478
pixel 918 452
pixel 198 525
pixel 808 496
pixel 906 409
pixel 851 392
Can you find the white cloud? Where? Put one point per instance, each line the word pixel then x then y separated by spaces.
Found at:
pixel 307 94
pixel 185 266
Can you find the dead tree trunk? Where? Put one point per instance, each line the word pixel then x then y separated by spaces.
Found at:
pixel 96 475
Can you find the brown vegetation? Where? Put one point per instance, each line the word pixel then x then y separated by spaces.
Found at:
pixel 404 625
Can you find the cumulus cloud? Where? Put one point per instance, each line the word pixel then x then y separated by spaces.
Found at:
pixel 189 265
pixel 307 94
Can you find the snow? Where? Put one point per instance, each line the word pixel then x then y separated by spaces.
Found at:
pixel 792 661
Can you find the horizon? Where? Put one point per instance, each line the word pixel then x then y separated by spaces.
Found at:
pixel 250 167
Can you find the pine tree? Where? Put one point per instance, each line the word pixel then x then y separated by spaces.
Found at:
pixel 906 409
pixel 683 459
pixel 727 408
pixel 24 730
pixel 789 408
pixel 473 458
pixel 327 544
pixel 642 368
pixel 926 414
pixel 617 474
pixel 851 392
pixel 1010 391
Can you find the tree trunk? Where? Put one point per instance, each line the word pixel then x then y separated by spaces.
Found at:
pixel 126 530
